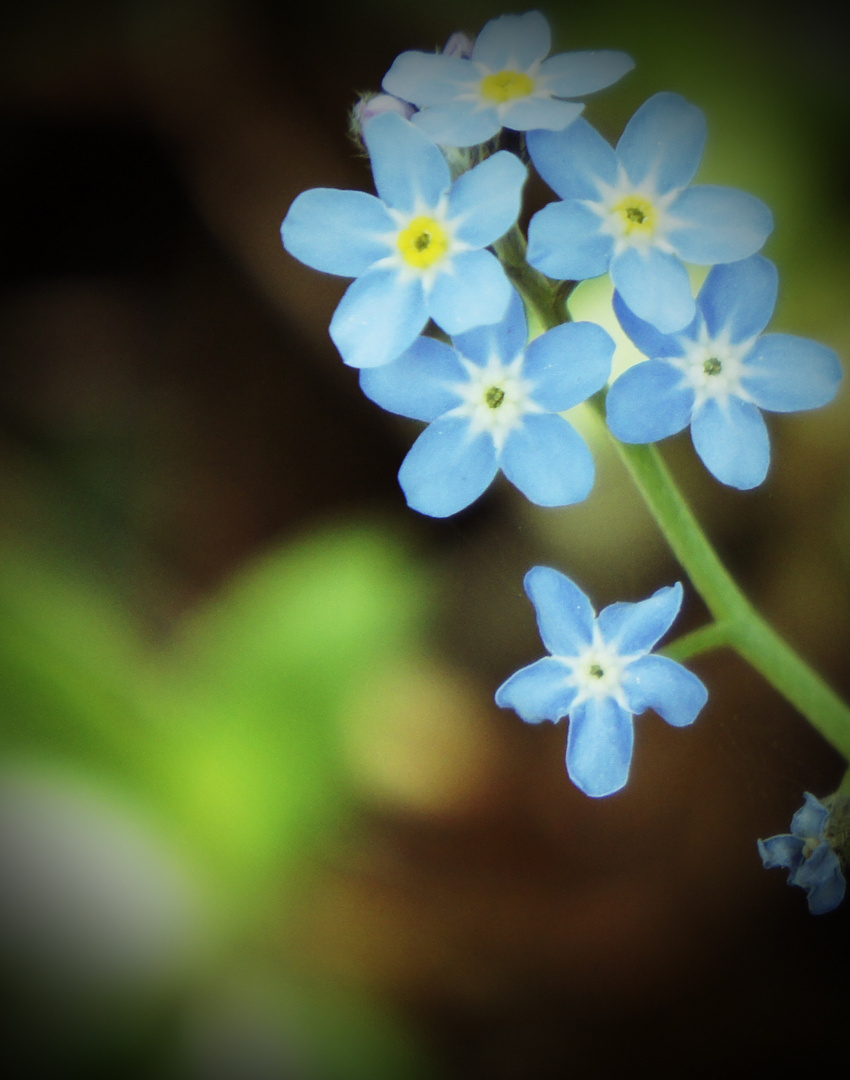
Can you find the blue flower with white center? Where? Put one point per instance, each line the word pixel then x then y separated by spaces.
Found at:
pixel 417 251
pixel 718 373
pixel 631 212
pixel 507 82
pixel 600 674
pixel 492 403
pixel 810 857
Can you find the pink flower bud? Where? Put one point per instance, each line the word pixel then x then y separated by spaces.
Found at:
pixel 458 45
pixel 368 108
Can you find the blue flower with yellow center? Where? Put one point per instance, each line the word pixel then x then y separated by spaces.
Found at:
pixel 492 402
pixel 506 82
pixel 631 211
pixel 601 673
pixel 808 854
pixel 719 373
pixel 417 250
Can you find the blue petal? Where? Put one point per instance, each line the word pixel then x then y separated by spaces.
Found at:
pixel 564 614
pixel 550 114
pixel 484 202
pixel 378 318
pixel 505 339
pixel 635 628
pixel 739 298
pixel 732 442
pixel 810 820
pixel 406 164
pixel 650 341
pixel 655 286
pixel 575 74
pixel 419 383
pixel 548 461
pixel 338 232
pixel 785 373
pixel 476 292
pixel 429 78
pixel 461 123
pixel 513 41
pixel 822 879
pixel 721 224
pixel 648 403
pixel 599 747
pixel 827 894
pixel 656 682
pixel 663 142
pixel 538 692
pixel 446 468
pixel 568 363
pixel 565 242
pixel 781 850
pixel 573 161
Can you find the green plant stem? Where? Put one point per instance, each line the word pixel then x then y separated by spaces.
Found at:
pixel 736 622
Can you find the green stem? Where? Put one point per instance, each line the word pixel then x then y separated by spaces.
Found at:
pixel 713 636
pixel 736 622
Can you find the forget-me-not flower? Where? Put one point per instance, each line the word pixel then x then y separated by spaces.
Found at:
pixel 417 251
pixel 507 82
pixel 492 402
pixel 630 211
pixel 718 373
pixel 601 673
pixel 810 857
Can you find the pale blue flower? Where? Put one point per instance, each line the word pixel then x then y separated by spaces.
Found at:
pixel 718 373
pixel 631 212
pixel 601 673
pixel 492 402
pixel 417 251
pixel 810 857
pixel 507 82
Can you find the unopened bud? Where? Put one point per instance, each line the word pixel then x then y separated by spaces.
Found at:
pixel 370 107
pixel 459 46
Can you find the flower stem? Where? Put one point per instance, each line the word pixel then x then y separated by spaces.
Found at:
pixel 736 622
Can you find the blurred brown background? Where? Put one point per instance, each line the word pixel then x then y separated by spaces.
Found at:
pixel 171 405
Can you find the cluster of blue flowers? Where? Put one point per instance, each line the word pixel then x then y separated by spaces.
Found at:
pixel 435 323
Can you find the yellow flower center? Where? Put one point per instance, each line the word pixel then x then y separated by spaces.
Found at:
pixel 639 215
pixel 423 243
pixel 506 85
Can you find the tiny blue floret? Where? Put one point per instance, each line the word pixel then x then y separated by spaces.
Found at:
pixel 418 251
pixel 631 211
pixel 600 674
pixel 492 402
pixel 506 82
pixel 718 374
pixel 808 854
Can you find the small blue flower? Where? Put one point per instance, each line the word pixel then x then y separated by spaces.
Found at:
pixel 492 402
pixel 601 673
pixel 630 211
pixel 810 857
pixel 417 251
pixel 507 82
pixel 718 373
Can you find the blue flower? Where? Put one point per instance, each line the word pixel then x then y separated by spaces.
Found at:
pixel 600 674
pixel 810 857
pixel 631 212
pixel 492 402
pixel 507 82
pixel 718 373
pixel 417 251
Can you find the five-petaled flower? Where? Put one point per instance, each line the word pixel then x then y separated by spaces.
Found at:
pixel 492 402
pixel 601 673
pixel 808 854
pixel 630 211
pixel 417 251
pixel 507 82
pixel 718 373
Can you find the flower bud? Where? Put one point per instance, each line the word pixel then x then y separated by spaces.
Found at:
pixel 367 108
pixel 459 46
